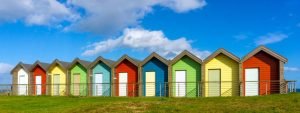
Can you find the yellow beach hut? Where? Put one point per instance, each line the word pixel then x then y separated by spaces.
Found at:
pixel 221 74
pixel 57 77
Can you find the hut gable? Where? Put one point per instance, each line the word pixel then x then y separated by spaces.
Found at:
pixel 76 61
pixel 43 65
pixel 188 54
pixel 266 50
pixel 222 51
pixel 107 62
pixel 22 65
pixel 126 57
pixel 62 64
pixel 154 55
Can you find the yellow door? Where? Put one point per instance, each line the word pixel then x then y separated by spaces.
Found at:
pixel 214 85
pixel 150 84
pixel 56 83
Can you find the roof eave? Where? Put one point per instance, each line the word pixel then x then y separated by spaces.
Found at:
pixel 186 53
pixel 154 55
pixel 127 58
pixel 95 62
pixel 267 50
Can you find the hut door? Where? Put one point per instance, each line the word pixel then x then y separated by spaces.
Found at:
pixel 38 83
pixel 22 87
pixel 251 82
pixel 150 83
pixel 123 84
pixel 214 84
pixel 76 84
pixel 98 84
pixel 180 83
pixel 56 83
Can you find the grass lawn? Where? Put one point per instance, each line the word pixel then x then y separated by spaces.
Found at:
pixel 274 103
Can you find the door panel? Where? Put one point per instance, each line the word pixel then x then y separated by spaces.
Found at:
pixel 180 83
pixel 38 82
pixel 76 85
pixel 98 84
pixel 56 82
pixel 251 82
pixel 150 83
pixel 214 82
pixel 22 87
pixel 123 80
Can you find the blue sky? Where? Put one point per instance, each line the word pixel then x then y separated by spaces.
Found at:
pixel 45 30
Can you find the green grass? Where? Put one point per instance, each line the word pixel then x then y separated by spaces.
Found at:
pixel 273 103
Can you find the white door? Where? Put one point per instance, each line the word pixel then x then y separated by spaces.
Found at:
pixel 56 82
pixel 22 87
pixel 38 83
pixel 251 84
pixel 180 83
pixel 123 84
pixel 150 83
pixel 98 84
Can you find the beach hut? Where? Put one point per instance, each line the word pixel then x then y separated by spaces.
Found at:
pixel 78 76
pixel 221 74
pixel 20 79
pixel 185 75
pixel 101 73
pixel 57 77
pixel 38 78
pixel 154 75
pixel 126 77
pixel 262 72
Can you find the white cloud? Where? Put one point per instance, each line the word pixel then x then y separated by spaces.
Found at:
pixel 141 39
pixel 110 16
pixel 292 69
pixel 184 5
pixel 271 38
pixel 5 68
pixel 35 12
pixel 95 16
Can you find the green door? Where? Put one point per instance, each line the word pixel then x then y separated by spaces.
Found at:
pixel 77 84
pixel 214 84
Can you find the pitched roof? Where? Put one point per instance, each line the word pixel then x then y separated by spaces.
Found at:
pixel 186 53
pixel 84 63
pixel 62 64
pixel 267 50
pixel 154 55
pixel 43 65
pixel 65 64
pixel 132 60
pixel 105 61
pixel 110 61
pixel 222 51
pixel 26 67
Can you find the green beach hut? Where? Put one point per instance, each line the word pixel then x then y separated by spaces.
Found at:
pixel 78 76
pixel 185 75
